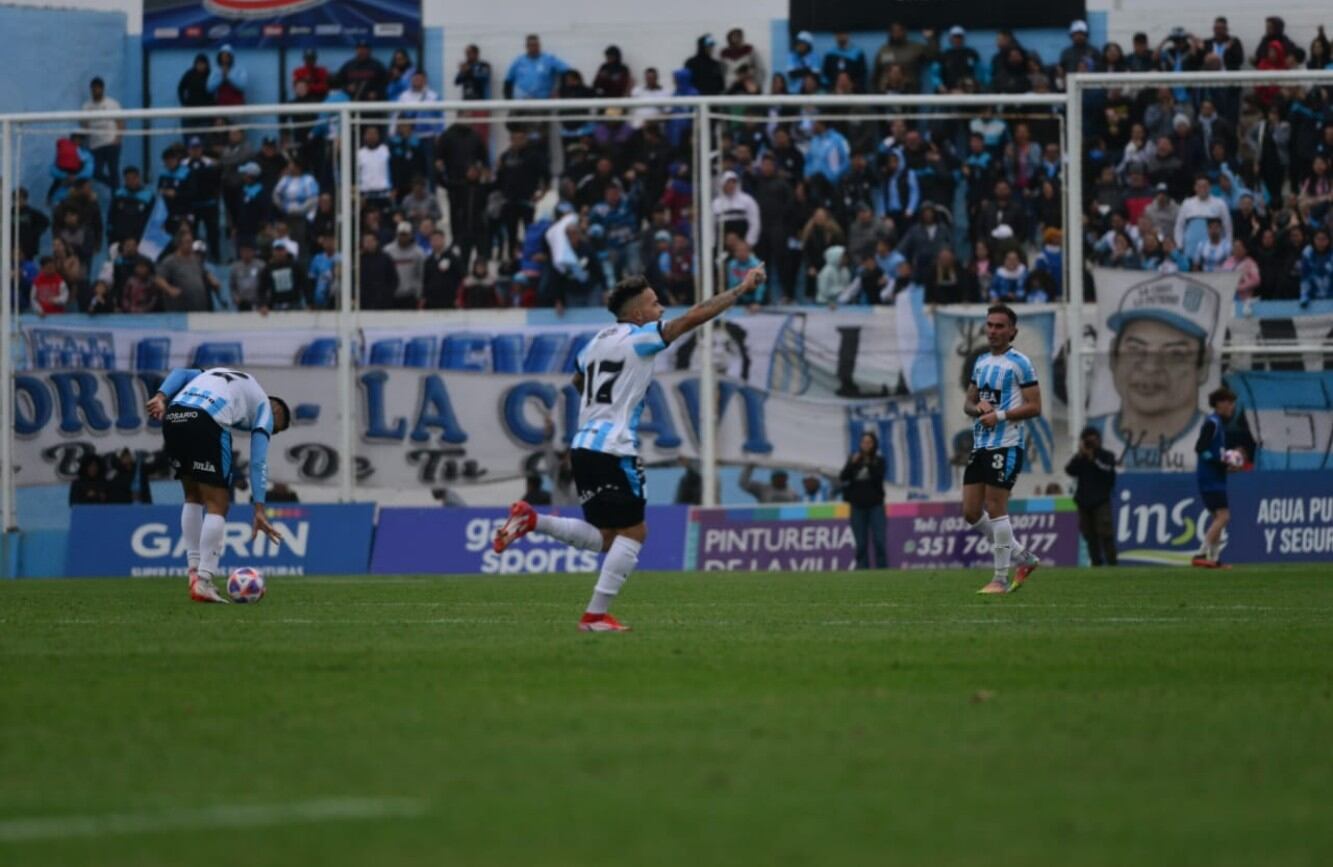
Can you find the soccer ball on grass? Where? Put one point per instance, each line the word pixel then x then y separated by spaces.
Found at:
pixel 245 585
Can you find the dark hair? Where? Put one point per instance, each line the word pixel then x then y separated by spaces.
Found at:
pixel 286 410
pixel 626 291
pixel 97 82
pixel 1218 395
pixel 873 436
pixel 46 260
pixel 1006 310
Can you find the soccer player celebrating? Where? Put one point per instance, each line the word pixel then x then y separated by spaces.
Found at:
pixel 198 410
pixel 1211 472
pixel 1002 392
pixel 614 371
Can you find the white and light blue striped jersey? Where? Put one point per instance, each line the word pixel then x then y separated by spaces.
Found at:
pixel 617 368
pixel 234 399
pixel 1000 380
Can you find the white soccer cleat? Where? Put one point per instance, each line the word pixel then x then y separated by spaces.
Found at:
pixel 202 590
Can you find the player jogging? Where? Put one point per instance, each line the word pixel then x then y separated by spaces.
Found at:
pixel 198 410
pixel 1002 393
pixel 1211 472
pixel 614 371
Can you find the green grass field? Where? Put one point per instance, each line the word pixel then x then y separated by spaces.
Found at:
pixel 1139 716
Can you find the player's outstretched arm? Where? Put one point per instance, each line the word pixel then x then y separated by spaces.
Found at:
pixel 713 307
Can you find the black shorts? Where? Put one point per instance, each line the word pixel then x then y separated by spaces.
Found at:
pixel 198 447
pixel 1214 500
pixel 998 468
pixel 610 488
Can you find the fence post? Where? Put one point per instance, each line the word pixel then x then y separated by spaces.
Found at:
pixel 1074 235
pixel 7 511
pixel 346 369
pixel 707 375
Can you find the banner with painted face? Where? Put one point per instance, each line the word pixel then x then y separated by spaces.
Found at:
pixel 426 429
pixel 1159 341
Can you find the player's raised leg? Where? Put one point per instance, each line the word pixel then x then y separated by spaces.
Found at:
pixel 523 519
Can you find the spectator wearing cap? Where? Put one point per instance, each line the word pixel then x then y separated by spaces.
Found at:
pixel 738 53
pixel 705 69
pixel 192 90
pixel 1079 50
pixel 103 135
pixel 474 75
pixel 253 203
pixel 736 211
pixel 845 58
pixel 314 76
pixel 909 56
pixel 802 61
pixel 283 284
pixel 1191 229
pixel 244 274
pixel 959 62
pixel 201 187
pixel 533 74
pixel 131 205
pixel 408 259
pixel 364 77
pixel 228 80
pixel 613 78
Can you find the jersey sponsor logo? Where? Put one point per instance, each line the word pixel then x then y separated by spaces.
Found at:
pixel 181 416
pixel 205 467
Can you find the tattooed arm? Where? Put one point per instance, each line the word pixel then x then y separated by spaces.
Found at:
pixel 713 307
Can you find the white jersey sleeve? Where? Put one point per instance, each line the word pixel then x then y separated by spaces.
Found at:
pixel 617 369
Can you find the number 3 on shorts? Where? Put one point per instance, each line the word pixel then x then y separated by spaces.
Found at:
pixel 997 461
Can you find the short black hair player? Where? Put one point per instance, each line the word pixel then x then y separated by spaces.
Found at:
pixel 198 410
pixel 614 372
pixel 1001 394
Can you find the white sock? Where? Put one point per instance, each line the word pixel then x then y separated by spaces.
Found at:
pixel 619 562
pixel 1002 546
pixel 1214 551
pixel 210 544
pixel 192 522
pixel 985 525
pixel 571 531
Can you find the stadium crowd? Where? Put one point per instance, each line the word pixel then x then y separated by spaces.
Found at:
pixel 844 207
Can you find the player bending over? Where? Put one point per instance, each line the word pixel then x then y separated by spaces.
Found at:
pixel 1002 393
pixel 198 410
pixel 1211 472
pixel 614 371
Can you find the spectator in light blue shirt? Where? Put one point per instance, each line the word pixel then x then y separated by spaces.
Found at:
pixel 1317 269
pixel 803 60
pixel 829 154
pixel 533 75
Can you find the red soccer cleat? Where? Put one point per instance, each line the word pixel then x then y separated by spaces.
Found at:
pixel 601 623
pixel 1204 563
pixel 522 521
